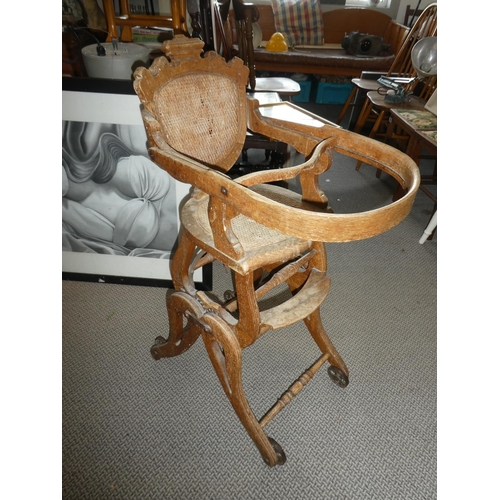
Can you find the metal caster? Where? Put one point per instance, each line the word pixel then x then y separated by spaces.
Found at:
pixel 158 341
pixel 278 450
pixel 338 376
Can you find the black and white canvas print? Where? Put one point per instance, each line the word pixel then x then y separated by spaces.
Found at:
pixel 115 199
pixel 120 214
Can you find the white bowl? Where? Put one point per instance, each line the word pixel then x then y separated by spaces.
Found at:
pixel 118 63
pixel 257 35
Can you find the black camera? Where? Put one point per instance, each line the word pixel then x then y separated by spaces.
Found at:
pixel 363 44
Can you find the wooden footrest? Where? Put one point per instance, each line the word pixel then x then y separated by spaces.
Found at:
pixel 310 297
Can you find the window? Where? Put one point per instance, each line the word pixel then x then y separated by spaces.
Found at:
pixel 383 4
pixel 368 3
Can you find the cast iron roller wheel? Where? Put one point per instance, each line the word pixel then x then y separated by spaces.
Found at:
pixel 338 376
pixel 158 341
pixel 278 450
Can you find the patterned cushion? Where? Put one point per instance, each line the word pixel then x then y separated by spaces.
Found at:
pixel 300 21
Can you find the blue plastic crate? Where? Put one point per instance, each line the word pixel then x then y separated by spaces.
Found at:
pixel 305 92
pixel 333 93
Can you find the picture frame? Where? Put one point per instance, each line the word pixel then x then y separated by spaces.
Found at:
pixel 120 211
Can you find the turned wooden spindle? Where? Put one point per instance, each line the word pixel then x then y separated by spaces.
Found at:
pixel 293 391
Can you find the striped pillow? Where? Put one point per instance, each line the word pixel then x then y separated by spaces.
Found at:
pixel 300 21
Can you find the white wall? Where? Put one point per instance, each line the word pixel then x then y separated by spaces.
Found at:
pixel 164 6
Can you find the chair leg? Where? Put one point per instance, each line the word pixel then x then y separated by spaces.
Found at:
pixel 372 134
pixel 347 104
pixel 184 313
pixel 248 326
pixel 315 326
pixel 225 354
pixel 181 276
pixel 363 116
pixel 338 370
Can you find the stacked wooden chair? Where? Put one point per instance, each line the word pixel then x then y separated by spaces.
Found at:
pixel 425 25
pixel 377 108
pixel 196 112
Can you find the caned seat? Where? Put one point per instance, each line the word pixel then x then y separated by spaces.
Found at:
pixel 196 112
pixel 255 239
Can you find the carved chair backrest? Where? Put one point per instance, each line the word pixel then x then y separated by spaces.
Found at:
pixel 195 105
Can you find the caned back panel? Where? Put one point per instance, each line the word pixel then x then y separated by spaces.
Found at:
pixel 205 123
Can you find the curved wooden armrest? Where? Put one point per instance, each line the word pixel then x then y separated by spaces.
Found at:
pixel 312 165
pixel 305 139
pixel 302 136
pixel 316 226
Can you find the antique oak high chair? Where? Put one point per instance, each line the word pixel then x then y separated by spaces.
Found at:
pixel 196 114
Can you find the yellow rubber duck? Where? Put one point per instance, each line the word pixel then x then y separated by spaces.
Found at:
pixel 277 43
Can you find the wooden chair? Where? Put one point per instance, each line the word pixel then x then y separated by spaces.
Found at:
pixel 241 18
pixel 244 16
pixel 426 25
pixel 125 20
pixel 410 14
pixel 196 111
pixel 377 109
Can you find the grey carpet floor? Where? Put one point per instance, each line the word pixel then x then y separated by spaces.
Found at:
pixel 135 428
